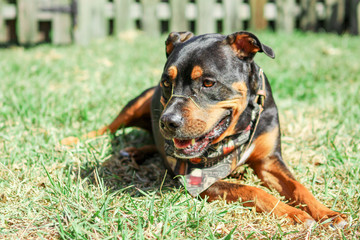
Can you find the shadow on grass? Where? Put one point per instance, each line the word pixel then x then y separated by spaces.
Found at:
pixel 120 172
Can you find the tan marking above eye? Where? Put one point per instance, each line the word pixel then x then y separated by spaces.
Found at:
pixel 196 72
pixel 172 72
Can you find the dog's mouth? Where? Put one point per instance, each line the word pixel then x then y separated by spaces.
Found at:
pixel 189 148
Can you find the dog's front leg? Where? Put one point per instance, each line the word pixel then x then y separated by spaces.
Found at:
pixel 255 197
pixel 274 174
pixel 135 114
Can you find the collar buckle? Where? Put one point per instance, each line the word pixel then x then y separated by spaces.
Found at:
pixel 261 92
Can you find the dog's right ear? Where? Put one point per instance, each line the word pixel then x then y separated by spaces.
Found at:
pixel 175 38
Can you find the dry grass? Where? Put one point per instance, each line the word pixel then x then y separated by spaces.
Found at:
pixel 91 192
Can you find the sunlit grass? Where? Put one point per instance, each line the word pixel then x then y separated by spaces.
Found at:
pixel 51 191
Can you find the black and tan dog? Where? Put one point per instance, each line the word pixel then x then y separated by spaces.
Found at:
pixel 212 111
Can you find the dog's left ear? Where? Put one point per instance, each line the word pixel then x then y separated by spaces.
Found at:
pixel 175 38
pixel 246 45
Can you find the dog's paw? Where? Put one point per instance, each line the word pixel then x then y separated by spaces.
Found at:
pixel 340 224
pixel 300 217
pixel 334 220
pixel 136 156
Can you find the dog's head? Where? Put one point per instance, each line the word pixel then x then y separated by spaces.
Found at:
pixel 205 87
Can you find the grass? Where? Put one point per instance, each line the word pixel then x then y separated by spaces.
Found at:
pixel 88 192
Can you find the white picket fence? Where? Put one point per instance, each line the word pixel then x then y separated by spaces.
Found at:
pixel 83 20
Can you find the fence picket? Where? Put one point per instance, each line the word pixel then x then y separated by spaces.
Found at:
pixel 150 23
pixel 257 20
pixel 308 15
pixel 61 25
pixel 335 15
pixel 358 17
pixel 93 17
pixel 285 16
pixel 353 17
pixel 122 19
pixel 100 25
pixel 178 21
pixel 27 25
pixel 232 22
pixel 82 33
pixel 3 30
pixel 205 18
pixel 330 13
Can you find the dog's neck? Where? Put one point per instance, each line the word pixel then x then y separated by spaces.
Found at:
pixel 253 84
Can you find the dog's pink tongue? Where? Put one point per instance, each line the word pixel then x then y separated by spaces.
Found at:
pixel 180 144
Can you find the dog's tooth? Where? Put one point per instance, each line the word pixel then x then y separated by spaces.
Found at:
pixel 193 141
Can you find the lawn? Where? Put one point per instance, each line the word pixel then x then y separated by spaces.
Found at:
pixel 88 192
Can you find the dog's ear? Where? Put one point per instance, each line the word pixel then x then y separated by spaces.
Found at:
pixel 246 45
pixel 175 38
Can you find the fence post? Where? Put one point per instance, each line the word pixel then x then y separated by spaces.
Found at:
pixel 257 20
pixel 91 21
pixel 335 11
pixel 61 25
pixel 82 32
pixel 3 30
pixel 122 18
pixel 100 26
pixel 285 17
pixel 358 17
pixel 232 22
pixel 27 25
pixel 308 15
pixel 178 21
pixel 205 22
pixel 353 17
pixel 150 22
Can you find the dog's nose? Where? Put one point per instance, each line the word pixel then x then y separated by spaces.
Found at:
pixel 171 122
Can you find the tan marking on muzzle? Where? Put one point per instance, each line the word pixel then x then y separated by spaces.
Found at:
pixel 240 87
pixel 238 105
pixel 194 125
pixel 199 121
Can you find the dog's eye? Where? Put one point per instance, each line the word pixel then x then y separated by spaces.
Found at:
pixel 166 83
pixel 208 83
